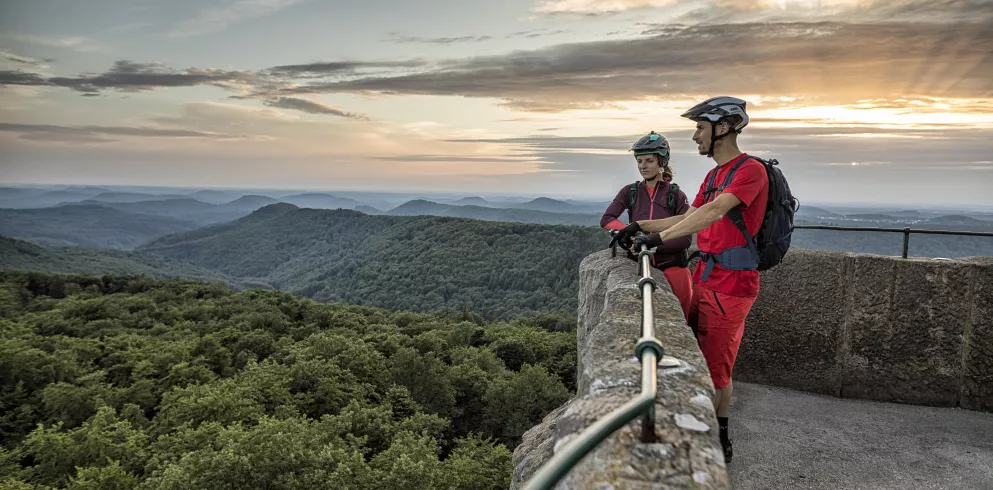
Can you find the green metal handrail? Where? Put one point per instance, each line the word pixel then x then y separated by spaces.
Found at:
pixel 649 351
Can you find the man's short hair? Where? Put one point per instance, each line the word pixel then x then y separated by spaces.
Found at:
pixel 732 121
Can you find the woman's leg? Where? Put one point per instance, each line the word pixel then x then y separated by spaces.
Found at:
pixel 681 282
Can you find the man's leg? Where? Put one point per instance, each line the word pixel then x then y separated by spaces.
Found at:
pixel 721 323
pixel 723 405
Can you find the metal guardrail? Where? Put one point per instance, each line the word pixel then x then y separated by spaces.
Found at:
pixel 649 351
pixel 906 232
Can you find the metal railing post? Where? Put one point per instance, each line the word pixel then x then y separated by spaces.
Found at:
pixel 906 241
pixel 649 351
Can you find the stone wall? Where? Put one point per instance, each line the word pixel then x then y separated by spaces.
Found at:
pixel 914 331
pixel 688 454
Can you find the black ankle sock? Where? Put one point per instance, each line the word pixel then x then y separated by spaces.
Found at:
pixel 723 423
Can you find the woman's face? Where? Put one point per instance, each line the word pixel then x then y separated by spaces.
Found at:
pixel 649 166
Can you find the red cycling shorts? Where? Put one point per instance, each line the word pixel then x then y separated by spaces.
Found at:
pixel 681 281
pixel 719 322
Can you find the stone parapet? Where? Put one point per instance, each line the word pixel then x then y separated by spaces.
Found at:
pixel 688 454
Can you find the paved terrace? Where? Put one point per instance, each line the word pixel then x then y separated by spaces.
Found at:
pixel 786 439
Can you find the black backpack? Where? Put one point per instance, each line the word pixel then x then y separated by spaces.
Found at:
pixel 773 240
pixel 670 201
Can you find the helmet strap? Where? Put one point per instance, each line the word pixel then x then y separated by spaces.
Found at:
pixel 714 137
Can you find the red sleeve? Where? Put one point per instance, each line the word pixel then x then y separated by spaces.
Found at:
pixel 609 219
pixel 698 201
pixel 748 182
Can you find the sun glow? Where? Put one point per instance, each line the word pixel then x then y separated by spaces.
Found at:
pixel 895 113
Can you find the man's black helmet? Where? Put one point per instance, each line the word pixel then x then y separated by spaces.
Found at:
pixel 717 108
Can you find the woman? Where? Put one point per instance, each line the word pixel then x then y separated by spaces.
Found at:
pixel 656 197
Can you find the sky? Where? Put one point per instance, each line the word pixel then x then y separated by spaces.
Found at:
pixel 860 100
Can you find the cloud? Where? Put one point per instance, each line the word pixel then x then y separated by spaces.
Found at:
pixel 596 7
pixel 75 43
pixel 97 134
pixel 130 76
pixel 337 68
pixel 841 62
pixel 531 34
pixel 8 77
pixel 311 107
pixel 748 11
pixel 24 60
pixel 215 19
pixel 437 40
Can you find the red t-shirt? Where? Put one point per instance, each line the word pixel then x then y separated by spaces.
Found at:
pixel 751 186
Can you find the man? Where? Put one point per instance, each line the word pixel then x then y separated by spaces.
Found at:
pixel 726 281
pixel 656 197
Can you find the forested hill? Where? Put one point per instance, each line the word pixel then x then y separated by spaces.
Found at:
pixel 422 263
pixel 24 256
pixel 88 226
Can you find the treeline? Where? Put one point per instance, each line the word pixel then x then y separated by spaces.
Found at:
pixel 117 382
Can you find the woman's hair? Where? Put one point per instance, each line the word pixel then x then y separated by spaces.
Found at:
pixel 666 170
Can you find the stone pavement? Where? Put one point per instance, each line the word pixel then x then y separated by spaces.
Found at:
pixel 785 439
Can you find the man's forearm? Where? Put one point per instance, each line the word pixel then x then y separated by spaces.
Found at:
pixel 657 225
pixel 692 223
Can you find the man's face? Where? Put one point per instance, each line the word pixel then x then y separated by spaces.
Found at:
pixel 648 165
pixel 702 136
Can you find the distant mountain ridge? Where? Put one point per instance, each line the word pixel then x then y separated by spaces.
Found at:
pixel 518 215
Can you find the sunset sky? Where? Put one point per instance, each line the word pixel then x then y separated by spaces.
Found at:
pixel 862 101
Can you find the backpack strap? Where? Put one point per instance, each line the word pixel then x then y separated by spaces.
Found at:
pixel 632 198
pixel 670 201
pixel 734 214
pixel 727 180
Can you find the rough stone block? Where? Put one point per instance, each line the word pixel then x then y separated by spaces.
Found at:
pixel 906 330
pixel 793 330
pixel 977 379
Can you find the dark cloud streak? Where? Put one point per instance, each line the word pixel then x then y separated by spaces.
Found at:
pixel 338 67
pixel 129 76
pixel 93 134
pixel 311 107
